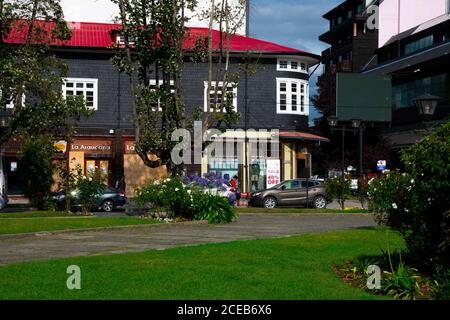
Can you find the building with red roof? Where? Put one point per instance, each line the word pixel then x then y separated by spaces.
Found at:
pixel 274 99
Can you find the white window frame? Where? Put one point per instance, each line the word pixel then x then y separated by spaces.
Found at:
pixel 206 107
pixel 302 109
pixel 84 89
pixel 302 66
pixel 161 82
pixel 11 104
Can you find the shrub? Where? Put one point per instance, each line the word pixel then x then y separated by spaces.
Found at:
pixel 35 161
pixel 417 203
pixel 170 194
pixel 214 208
pixel 402 283
pixel 190 198
pixel 89 190
pixel 334 188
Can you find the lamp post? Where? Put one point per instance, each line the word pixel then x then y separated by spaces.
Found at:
pixel 356 125
pixel 426 106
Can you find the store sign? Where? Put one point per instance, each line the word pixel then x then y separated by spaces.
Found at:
pixel 381 165
pixel 60 146
pixel 130 147
pixel 92 146
pixel 273 172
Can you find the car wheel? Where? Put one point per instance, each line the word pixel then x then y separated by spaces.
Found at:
pixel 320 202
pixel 108 206
pixel 2 204
pixel 270 202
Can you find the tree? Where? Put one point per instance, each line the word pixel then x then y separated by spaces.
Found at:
pixel 417 202
pixel 30 75
pixel 35 160
pixel 155 33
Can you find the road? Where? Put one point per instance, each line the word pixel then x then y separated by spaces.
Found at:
pixel 20 248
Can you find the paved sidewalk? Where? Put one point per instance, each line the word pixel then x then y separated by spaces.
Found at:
pixel 134 239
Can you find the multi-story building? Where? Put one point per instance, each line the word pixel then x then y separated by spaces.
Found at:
pixel 414 50
pixel 352 41
pixel 275 97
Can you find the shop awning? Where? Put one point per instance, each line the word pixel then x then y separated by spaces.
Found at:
pixel 295 135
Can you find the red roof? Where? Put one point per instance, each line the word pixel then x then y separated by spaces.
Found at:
pixel 99 35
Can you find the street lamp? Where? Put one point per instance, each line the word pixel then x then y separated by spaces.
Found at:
pixel 333 122
pixel 356 126
pixel 426 105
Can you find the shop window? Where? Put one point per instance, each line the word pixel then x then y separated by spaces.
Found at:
pixel 292 65
pixel 87 88
pixel 215 96
pixel 291 96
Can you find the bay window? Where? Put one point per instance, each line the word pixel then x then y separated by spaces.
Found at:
pixel 291 96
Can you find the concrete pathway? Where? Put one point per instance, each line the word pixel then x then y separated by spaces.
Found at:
pixel 21 248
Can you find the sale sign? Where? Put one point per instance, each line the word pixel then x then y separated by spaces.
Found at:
pixel 273 173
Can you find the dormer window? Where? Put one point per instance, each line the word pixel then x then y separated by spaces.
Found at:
pixel 291 65
pixel 120 40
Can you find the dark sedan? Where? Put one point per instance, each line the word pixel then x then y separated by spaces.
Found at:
pixel 292 193
pixel 108 201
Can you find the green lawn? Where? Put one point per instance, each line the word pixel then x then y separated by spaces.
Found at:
pixel 35 214
pixel 298 210
pixel 288 268
pixel 14 226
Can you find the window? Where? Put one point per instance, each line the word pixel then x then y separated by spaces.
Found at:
pixel 88 88
pixel 405 93
pixel 283 64
pixel 153 88
pixel 210 99
pixel 292 65
pixel 121 40
pixel 10 101
pixel 419 44
pixel 291 96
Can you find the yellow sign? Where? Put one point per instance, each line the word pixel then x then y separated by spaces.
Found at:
pixel 60 146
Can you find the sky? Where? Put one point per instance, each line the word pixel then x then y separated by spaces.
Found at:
pixel 293 23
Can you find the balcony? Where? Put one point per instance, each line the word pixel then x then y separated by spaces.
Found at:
pixel 345 66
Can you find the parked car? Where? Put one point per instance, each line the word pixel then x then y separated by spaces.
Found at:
pixel 108 201
pixel 292 193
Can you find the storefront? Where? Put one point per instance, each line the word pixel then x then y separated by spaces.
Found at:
pixel 90 155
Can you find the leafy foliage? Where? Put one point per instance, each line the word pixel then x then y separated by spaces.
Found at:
pixel 214 208
pixel 35 161
pixel 154 33
pixel 30 75
pixel 417 203
pixel 402 283
pixel 338 189
pixel 170 194
pixel 188 201
pixel 89 189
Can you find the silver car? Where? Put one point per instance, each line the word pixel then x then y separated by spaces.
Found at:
pixel 292 193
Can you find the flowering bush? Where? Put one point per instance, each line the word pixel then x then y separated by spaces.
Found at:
pixel 189 198
pixel 89 189
pixel 170 194
pixel 417 203
pixel 390 199
pixel 210 182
